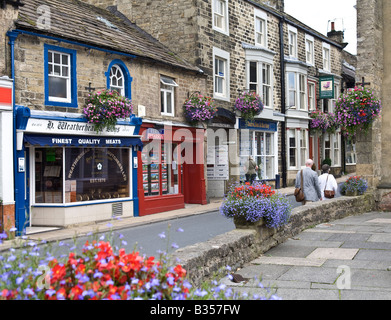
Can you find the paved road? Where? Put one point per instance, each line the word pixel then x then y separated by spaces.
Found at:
pixel 343 260
pixel 150 239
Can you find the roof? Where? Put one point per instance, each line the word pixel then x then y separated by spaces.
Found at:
pixel 83 23
pixel 295 22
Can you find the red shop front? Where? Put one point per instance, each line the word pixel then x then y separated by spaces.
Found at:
pixel 171 168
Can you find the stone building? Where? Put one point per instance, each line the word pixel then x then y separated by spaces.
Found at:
pixel 59 52
pixel 252 45
pixel 374 65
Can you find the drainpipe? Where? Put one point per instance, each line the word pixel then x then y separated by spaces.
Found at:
pixel 283 102
pixel 19 195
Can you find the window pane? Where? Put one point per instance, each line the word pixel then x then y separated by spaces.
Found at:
pixel 96 174
pixel 162 101
pixel 169 102
pixel 48 175
pixel 58 87
pixel 253 72
pixel 65 71
pixel 57 70
pixel 65 59
pixel 56 57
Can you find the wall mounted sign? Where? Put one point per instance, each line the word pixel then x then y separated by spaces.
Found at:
pixel 36 125
pixel 258 124
pixel 326 87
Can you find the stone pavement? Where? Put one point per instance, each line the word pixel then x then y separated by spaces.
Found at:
pixel 348 259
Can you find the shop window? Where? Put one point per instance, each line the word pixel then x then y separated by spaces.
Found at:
pixel 67 175
pixel 261 146
pixel 351 155
pixel 160 169
pixel 297 148
pixel 332 149
pixel 60 76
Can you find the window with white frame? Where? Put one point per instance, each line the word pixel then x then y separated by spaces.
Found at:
pixel 221 67
pixel 167 94
pixel 350 152
pixel 297 90
pixel 117 80
pixel 220 16
pixel 326 57
pixel 309 49
pixel 297 147
pixel 332 148
pixel 329 104
pixel 292 41
pixel 260 28
pixel 302 91
pixel 311 96
pixel 260 80
pixel 59 76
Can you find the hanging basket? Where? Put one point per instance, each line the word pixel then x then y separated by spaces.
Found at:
pixel 249 105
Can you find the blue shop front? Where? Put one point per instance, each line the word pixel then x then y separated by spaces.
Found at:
pixel 67 173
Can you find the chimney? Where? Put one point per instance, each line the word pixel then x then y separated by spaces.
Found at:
pixel 337 36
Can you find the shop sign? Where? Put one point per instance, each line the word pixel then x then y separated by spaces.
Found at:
pixel 44 126
pixel 258 124
pixel 154 134
pixel 326 87
pixel 6 93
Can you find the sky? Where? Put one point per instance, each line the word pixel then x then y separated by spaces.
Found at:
pixel 318 14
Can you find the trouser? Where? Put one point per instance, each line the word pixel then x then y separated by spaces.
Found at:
pixel 306 201
pixel 250 177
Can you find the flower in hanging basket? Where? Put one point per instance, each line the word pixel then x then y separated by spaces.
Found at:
pixel 199 108
pixel 322 122
pixel 104 108
pixel 356 110
pixel 354 185
pixel 249 104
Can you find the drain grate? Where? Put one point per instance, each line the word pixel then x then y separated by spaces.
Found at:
pixel 117 209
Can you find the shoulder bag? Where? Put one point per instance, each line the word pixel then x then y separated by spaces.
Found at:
pixel 299 192
pixel 328 193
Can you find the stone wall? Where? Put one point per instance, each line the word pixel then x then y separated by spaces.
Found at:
pixel 370 65
pixel 240 246
pixel 7 17
pixel 91 67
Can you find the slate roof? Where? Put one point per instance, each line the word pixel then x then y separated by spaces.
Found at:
pixel 78 21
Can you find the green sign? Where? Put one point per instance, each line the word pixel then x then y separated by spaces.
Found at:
pixel 326 87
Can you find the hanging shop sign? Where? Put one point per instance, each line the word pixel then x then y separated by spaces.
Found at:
pixel 326 87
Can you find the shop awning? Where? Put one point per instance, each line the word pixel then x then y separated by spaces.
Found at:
pixel 82 141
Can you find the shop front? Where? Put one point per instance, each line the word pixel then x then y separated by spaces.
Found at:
pixel 171 171
pixel 259 139
pixel 73 174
